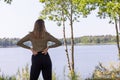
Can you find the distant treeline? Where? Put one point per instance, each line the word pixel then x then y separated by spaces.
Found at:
pixel 104 39
pixel 8 42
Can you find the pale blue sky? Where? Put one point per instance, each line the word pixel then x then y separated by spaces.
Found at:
pixel 17 20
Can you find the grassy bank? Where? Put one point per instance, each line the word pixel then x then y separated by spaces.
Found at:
pixel 101 72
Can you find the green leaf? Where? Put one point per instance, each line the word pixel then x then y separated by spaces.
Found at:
pixel 42 1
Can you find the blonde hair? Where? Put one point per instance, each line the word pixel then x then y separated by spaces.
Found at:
pixel 39 29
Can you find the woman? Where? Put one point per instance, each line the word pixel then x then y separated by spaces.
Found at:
pixel 41 61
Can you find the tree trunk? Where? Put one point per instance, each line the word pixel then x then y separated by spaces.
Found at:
pixel 65 43
pixel 72 38
pixel 117 36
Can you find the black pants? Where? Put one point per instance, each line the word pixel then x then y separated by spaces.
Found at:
pixel 41 62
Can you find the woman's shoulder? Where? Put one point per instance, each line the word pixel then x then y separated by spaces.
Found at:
pixel 30 34
pixel 47 33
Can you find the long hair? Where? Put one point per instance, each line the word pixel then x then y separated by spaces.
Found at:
pixel 39 29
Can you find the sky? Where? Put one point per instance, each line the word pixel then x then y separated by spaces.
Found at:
pixel 17 20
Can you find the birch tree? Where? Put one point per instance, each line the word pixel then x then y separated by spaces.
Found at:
pixel 109 9
pixel 63 11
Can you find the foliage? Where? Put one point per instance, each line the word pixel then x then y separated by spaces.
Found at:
pixel 4 77
pixel 74 76
pixel 103 39
pixel 101 72
pixel 110 72
pixel 55 10
pixel 54 76
pixel 24 74
pixel 98 39
pixel 7 1
pixel 106 8
pixel 109 9
pixel 8 42
pixel 63 11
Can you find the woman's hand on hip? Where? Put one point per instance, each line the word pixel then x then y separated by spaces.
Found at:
pixel 45 51
pixel 33 51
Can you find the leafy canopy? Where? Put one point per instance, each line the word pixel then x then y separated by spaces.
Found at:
pixel 107 8
pixel 7 1
pixel 62 10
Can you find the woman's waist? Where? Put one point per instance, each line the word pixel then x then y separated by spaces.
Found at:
pixel 40 49
pixel 40 53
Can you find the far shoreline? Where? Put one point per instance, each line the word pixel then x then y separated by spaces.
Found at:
pixel 78 44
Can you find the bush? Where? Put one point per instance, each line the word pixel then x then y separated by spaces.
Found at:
pixel 110 72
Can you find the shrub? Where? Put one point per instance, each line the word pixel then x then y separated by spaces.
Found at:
pixel 110 72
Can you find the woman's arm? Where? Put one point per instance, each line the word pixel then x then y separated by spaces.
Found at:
pixel 52 39
pixel 55 40
pixel 21 42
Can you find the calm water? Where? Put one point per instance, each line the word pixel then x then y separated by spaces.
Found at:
pixel 86 58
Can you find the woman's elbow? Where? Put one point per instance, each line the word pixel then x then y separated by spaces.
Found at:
pixel 60 44
pixel 18 43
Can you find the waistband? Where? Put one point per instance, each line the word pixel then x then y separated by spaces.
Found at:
pixel 40 52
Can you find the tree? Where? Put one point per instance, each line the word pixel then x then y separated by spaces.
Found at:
pixel 106 9
pixel 63 11
pixel 60 11
pixel 109 9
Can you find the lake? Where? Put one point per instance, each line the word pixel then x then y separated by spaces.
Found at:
pixel 86 58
